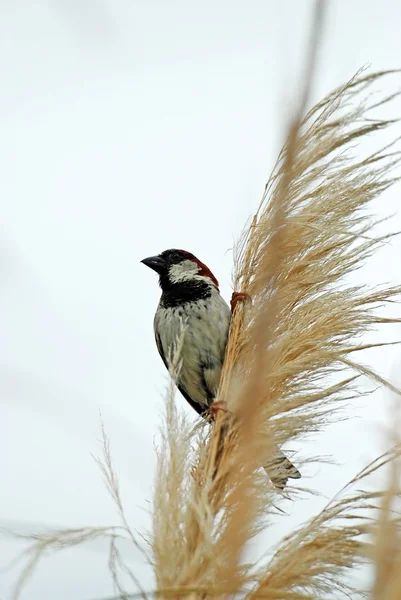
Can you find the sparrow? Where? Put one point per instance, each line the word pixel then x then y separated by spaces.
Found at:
pixel 191 300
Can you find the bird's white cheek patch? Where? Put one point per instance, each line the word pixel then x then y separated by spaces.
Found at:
pixel 183 270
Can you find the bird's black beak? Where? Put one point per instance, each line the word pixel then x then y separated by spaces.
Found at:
pixel 157 263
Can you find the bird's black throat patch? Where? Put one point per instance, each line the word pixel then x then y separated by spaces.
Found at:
pixel 175 294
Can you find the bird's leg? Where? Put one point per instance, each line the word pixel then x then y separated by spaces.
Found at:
pixel 215 407
pixel 236 297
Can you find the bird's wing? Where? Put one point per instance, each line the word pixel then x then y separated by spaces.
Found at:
pixel 200 409
pixel 160 349
pixel 195 405
pixel 211 372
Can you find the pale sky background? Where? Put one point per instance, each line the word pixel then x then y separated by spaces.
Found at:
pixel 128 127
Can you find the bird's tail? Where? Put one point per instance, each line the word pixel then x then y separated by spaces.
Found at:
pixel 280 469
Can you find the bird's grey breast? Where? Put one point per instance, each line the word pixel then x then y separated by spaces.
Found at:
pixel 203 325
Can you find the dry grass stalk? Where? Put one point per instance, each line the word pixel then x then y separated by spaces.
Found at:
pixel 308 563
pixel 42 544
pixel 288 360
pixel 386 551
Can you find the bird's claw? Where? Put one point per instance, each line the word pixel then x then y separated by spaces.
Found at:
pixel 237 297
pixel 215 407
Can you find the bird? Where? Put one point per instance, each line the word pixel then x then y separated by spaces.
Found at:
pixel 191 305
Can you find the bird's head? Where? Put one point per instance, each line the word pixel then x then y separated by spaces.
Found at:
pixel 178 267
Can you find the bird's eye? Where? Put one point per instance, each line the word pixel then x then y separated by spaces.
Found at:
pixel 176 257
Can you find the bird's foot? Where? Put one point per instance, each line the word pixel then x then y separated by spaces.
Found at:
pixel 237 297
pixel 215 407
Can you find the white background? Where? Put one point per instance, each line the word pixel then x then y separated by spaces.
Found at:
pixel 128 127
